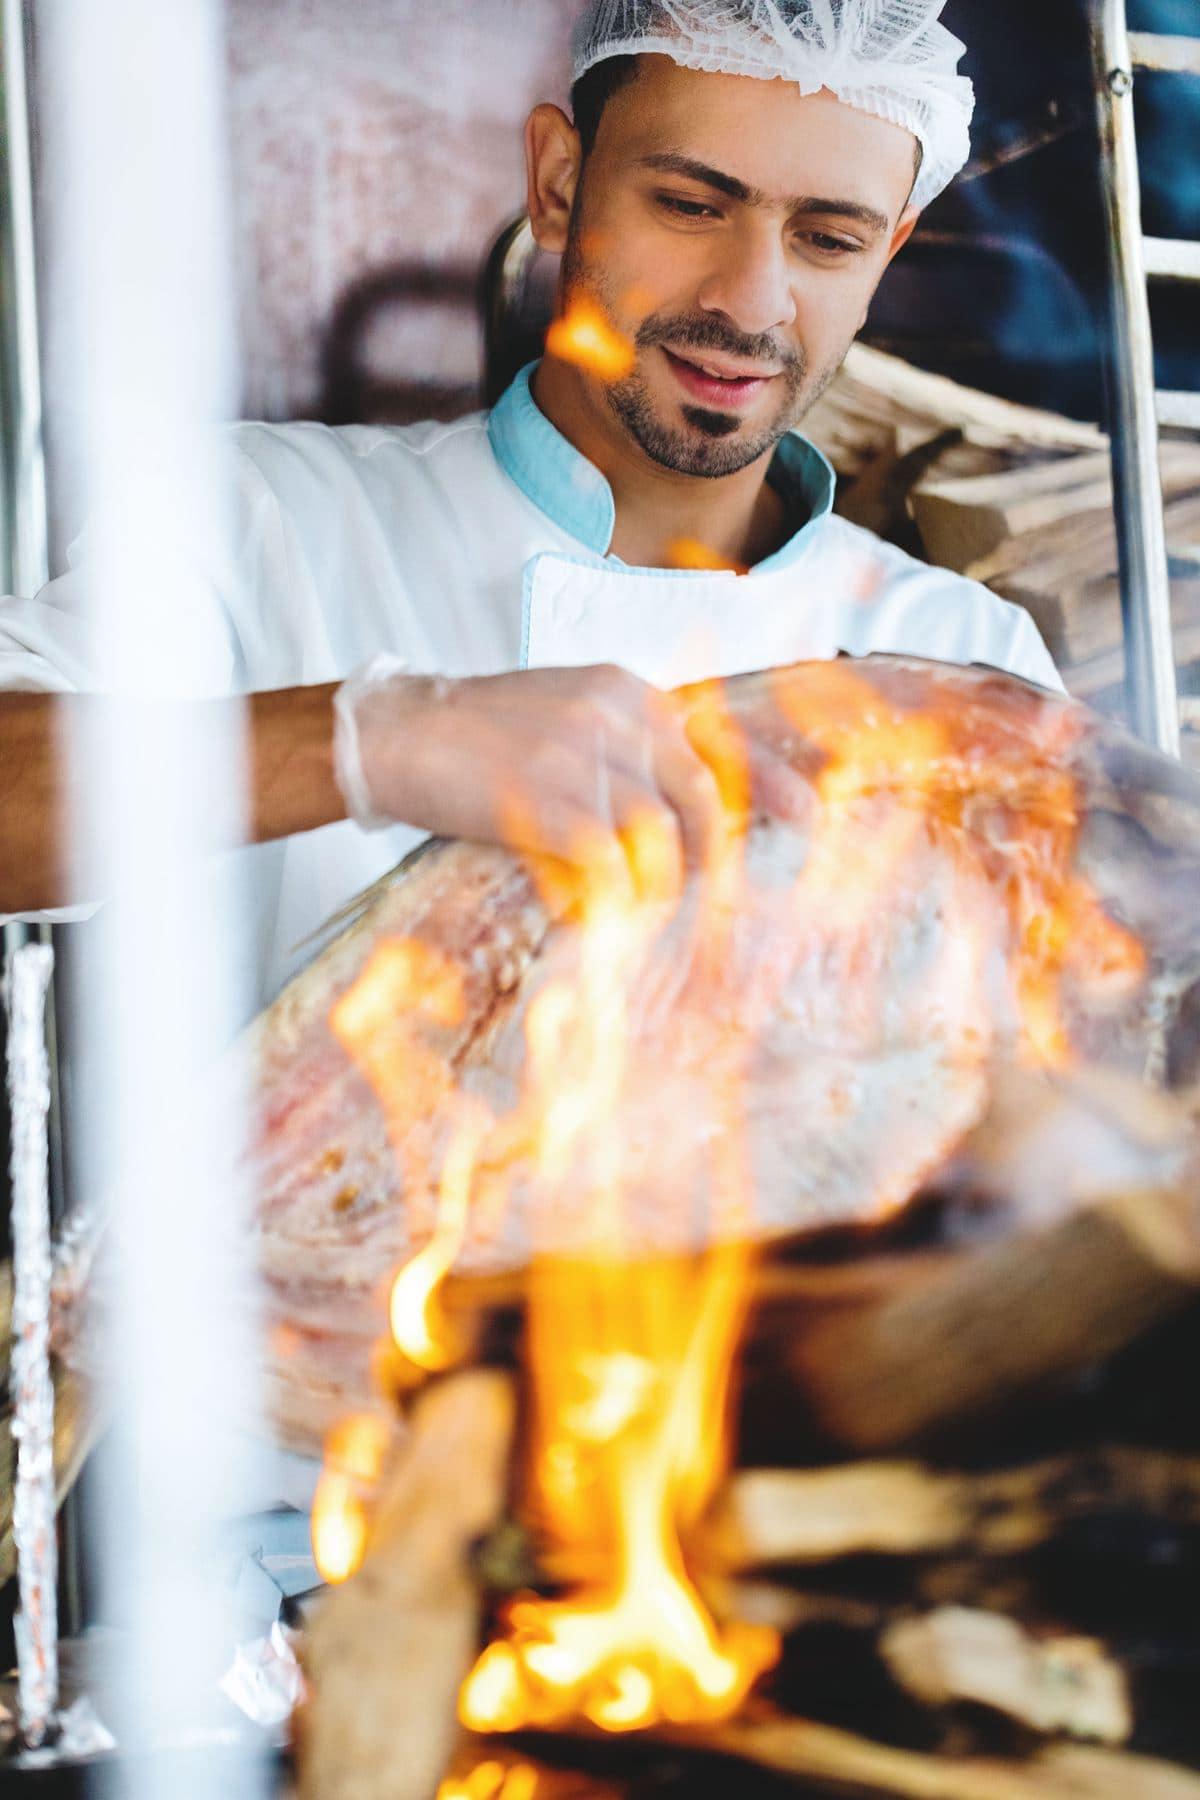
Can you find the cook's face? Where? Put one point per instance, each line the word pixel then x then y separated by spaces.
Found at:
pixel 735 231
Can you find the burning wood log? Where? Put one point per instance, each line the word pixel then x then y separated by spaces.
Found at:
pixel 1048 1684
pixel 798 1516
pixel 949 1336
pixel 387 1651
pixel 888 1350
pixel 831 1760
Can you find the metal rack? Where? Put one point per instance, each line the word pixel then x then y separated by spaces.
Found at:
pixel 1138 409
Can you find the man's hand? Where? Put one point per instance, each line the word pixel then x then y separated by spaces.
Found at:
pixel 568 763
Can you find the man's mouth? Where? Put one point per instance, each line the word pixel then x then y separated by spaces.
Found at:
pixel 716 381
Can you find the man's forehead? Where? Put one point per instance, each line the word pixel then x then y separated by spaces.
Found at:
pixel 779 148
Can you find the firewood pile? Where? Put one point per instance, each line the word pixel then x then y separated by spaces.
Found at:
pixel 967 1494
pixel 1011 496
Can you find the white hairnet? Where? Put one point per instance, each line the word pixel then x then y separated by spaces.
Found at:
pixel 892 58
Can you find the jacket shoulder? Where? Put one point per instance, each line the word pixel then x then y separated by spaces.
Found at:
pixel 963 620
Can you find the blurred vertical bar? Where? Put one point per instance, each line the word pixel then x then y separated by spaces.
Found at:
pixel 139 292
pixel 23 522
pixel 22 462
pixel 24 562
pixel 1153 699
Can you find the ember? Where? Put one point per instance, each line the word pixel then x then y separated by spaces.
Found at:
pixel 584 336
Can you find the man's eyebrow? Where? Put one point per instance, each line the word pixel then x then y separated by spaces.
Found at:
pixel 847 209
pixel 671 163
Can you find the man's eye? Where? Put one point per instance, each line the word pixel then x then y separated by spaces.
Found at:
pixel 826 245
pixel 686 209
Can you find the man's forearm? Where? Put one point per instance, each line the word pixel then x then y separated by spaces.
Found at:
pixel 291 786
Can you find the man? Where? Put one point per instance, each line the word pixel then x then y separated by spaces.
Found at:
pixel 735 182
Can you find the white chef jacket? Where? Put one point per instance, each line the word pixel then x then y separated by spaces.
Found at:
pixel 483 546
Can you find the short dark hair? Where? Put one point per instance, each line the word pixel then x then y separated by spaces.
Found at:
pixel 597 85
pixel 593 91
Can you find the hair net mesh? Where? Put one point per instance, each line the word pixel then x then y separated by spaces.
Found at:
pixel 892 58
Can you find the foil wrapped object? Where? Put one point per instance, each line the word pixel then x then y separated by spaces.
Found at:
pixel 265 1679
pixel 27 981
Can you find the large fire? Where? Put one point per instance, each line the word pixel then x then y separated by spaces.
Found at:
pixel 631 1366
pixel 631 1357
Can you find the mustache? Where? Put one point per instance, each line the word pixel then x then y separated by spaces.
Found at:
pixel 708 331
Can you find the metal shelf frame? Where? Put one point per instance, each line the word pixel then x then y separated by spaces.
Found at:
pixel 1137 409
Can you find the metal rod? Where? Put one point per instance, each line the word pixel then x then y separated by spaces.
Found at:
pixel 24 518
pixel 23 554
pixel 1153 50
pixel 1141 534
pixel 27 983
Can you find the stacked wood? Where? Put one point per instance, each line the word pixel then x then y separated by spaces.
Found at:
pixel 1009 495
pixel 384 1654
pixel 1044 536
pixel 878 405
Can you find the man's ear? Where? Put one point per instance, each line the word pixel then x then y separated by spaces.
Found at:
pixel 553 157
pixel 906 224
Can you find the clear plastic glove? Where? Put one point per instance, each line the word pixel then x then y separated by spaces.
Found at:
pixel 566 763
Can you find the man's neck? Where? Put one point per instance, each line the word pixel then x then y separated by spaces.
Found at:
pixel 738 519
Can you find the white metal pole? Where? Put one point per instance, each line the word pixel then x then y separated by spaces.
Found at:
pixel 140 299
pixel 1141 532
pixel 23 564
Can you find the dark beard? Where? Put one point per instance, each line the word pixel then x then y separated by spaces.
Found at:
pixel 706 449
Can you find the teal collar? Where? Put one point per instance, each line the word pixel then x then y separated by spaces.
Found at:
pixel 575 495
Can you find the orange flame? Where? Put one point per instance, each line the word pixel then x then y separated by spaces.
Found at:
pixel 492 1780
pixel 945 762
pixel 405 989
pixel 584 336
pixel 354 1456
pixel 630 1366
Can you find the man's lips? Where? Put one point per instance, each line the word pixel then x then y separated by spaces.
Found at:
pixel 716 383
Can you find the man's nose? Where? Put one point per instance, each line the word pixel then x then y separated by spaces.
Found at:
pixel 752 282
